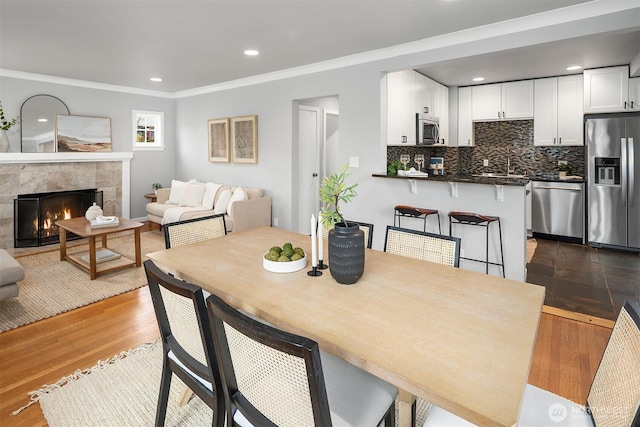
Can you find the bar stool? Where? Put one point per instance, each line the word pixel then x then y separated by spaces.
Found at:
pixel 413 212
pixel 475 219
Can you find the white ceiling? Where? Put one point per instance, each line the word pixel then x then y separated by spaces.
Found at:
pixel 192 44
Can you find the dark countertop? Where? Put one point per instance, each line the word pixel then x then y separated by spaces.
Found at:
pixel 463 178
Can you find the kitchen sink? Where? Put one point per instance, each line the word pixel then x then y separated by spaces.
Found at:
pixel 497 175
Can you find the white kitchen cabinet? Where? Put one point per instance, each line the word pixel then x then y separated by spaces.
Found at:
pixel 401 114
pixel 409 93
pixel 606 90
pixel 444 116
pixel 465 123
pixel 558 111
pixel 634 94
pixel 502 101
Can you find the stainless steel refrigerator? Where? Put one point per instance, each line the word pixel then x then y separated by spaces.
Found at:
pixel 613 184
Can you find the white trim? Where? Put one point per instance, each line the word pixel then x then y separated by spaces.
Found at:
pixel 543 20
pixel 63 157
pixel 82 83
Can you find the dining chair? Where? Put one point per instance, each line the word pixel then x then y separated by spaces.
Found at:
pixel 614 396
pixel 194 230
pixel 421 245
pixel 187 345
pixel 275 378
pixel 366 227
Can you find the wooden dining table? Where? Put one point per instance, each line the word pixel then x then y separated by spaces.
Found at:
pixel 459 339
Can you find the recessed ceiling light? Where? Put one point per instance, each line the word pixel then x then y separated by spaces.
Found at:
pixel 155 79
pixel 43 120
pixel 478 79
pixel 573 67
pixel 251 52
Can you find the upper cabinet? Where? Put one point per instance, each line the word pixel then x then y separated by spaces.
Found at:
pixel 634 94
pixel 410 93
pixel 401 114
pixel 558 111
pixel 606 90
pixel 503 101
pixel 465 123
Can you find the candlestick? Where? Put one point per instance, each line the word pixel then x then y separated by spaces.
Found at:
pixel 314 243
pixel 321 264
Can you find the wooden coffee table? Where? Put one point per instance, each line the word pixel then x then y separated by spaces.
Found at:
pixel 82 228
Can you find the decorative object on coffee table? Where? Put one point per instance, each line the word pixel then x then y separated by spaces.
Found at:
pixel 346 240
pixel 93 212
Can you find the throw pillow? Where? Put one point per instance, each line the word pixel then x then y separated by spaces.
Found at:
pixel 192 196
pixel 223 201
pixel 210 195
pixel 177 190
pixel 239 194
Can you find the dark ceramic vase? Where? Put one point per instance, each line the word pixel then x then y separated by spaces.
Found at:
pixel 346 253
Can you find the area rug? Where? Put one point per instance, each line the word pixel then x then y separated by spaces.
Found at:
pixel 123 391
pixel 52 286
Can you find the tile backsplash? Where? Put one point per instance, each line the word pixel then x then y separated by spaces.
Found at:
pixel 499 142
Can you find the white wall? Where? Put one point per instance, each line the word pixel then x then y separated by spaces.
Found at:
pixel 147 167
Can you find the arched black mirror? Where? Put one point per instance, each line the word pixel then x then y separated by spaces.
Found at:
pixel 37 123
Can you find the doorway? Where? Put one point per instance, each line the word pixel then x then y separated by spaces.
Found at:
pixel 317 154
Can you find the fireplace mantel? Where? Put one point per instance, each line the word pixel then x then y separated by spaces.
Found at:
pixel 64 157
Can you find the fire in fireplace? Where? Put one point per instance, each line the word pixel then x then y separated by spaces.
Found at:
pixel 35 215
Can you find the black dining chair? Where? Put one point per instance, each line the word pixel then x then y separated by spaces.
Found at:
pixel 275 378
pixel 187 346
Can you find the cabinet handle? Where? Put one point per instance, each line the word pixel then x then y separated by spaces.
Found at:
pixel 498 114
pixel 504 116
pixel 560 140
pixel 625 105
pixel 632 105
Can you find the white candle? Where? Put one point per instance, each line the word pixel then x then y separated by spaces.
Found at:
pixel 314 253
pixel 320 235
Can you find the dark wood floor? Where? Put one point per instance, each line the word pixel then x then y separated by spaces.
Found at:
pixel 583 279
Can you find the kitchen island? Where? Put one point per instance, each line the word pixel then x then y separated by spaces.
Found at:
pixel 488 195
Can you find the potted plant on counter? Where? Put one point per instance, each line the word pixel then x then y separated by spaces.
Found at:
pixel 565 170
pixel 346 240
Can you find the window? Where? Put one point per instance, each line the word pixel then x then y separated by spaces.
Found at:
pixel 147 130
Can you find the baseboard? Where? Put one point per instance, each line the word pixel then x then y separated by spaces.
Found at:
pixel 585 318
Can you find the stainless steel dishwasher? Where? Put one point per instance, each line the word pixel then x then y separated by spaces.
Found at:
pixel 558 209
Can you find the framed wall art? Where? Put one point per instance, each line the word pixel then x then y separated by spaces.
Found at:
pixel 218 130
pixel 244 138
pixel 82 133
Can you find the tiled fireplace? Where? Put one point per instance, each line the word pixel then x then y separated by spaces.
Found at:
pixel 31 173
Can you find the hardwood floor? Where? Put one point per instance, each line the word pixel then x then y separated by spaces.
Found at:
pixel 566 355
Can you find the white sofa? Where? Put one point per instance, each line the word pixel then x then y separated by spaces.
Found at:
pixel 243 207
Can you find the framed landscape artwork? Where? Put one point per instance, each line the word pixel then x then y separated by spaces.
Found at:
pixel 244 138
pixel 82 133
pixel 218 130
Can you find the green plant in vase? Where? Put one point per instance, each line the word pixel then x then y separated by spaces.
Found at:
pixel 566 168
pixel 346 240
pixel 334 191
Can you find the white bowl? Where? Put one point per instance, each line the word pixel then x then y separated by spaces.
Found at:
pixel 284 267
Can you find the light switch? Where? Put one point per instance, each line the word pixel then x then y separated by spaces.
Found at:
pixel 485 162
pixel 354 162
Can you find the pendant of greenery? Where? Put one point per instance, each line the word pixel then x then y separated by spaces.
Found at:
pixel 334 191
pixel 4 124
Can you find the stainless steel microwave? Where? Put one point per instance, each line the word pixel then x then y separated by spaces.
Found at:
pixel 427 130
